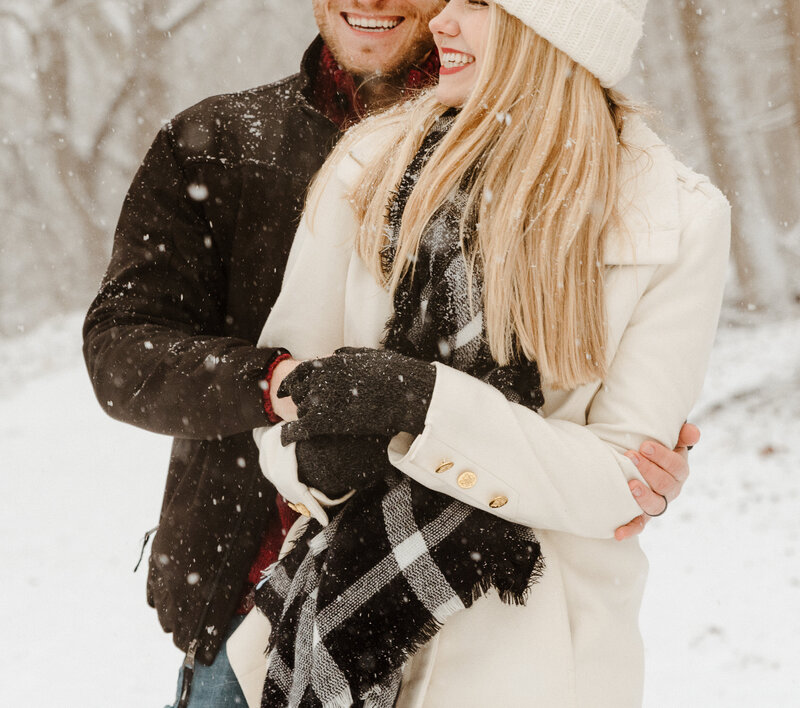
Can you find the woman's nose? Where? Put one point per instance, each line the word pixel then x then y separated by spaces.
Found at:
pixel 444 23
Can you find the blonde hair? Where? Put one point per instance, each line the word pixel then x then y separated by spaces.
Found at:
pixel 543 147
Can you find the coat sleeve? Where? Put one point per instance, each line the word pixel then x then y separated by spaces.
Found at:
pixel 153 340
pixel 561 475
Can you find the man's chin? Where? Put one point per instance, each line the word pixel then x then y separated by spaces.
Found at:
pixel 386 71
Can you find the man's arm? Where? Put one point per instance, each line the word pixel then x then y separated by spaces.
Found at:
pixel 153 337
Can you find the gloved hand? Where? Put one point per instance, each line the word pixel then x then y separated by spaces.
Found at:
pixel 335 464
pixel 359 392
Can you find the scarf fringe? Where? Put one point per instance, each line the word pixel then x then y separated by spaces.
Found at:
pixel 430 628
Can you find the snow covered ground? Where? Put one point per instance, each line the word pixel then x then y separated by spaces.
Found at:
pixel 77 491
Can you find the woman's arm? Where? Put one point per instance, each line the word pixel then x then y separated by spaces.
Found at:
pixel 560 475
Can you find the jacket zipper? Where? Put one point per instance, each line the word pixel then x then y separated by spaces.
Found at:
pixel 188 673
pixel 194 645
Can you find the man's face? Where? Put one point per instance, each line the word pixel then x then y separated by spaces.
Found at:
pixel 376 36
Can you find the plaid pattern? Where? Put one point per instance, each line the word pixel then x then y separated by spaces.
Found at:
pixel 354 600
pixel 348 608
pixel 438 316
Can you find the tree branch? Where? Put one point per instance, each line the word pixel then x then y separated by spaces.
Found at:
pixel 177 23
pixel 18 19
pixel 109 118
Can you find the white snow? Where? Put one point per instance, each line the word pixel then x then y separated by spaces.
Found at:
pixel 78 490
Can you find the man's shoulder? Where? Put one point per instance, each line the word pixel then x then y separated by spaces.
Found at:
pixel 232 107
pixel 240 126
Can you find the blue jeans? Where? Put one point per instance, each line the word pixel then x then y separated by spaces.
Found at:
pixel 215 686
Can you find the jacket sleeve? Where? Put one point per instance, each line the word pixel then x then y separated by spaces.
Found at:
pixel 560 475
pixel 153 339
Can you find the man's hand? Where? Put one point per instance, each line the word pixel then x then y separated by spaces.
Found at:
pixel 284 406
pixel 665 471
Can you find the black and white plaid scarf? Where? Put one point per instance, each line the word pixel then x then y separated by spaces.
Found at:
pixel 354 600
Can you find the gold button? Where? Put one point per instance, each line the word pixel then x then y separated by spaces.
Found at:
pixel 498 501
pixel 444 465
pixel 300 509
pixel 467 480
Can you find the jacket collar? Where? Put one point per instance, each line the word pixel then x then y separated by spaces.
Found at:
pixel 307 77
pixel 649 206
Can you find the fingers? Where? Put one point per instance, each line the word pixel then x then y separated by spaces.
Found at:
pixel 689 436
pixel 656 477
pixel 283 407
pixel 650 502
pixel 632 528
pixel 292 383
pixel 674 463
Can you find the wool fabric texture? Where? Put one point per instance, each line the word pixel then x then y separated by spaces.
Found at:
pixel 601 35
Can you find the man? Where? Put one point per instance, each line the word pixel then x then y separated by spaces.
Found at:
pixel 198 258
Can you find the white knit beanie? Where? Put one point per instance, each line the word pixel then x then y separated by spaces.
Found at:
pixel 600 35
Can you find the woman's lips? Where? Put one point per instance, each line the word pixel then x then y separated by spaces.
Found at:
pixel 453 61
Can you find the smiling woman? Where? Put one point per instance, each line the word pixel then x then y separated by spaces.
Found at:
pixel 376 37
pixel 521 228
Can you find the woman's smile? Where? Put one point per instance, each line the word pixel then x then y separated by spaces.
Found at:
pixel 453 61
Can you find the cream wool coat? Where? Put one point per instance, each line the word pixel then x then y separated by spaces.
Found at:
pixel 577 642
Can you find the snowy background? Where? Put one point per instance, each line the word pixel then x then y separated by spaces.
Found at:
pixel 78 490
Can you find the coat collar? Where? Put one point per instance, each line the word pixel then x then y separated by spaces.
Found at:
pixel 649 206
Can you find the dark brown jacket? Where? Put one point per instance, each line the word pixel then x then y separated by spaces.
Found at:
pixel 197 263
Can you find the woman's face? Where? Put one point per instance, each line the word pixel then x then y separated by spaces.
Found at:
pixel 460 31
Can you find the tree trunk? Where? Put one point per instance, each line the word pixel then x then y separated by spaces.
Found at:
pixel 792 9
pixel 716 33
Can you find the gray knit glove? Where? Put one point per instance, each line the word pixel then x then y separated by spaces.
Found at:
pixel 358 392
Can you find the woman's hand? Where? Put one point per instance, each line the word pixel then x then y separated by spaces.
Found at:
pixel 665 471
pixel 358 392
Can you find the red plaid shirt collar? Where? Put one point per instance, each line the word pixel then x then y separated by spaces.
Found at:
pixel 334 91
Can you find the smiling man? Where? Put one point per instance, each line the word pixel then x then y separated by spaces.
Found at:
pixel 198 259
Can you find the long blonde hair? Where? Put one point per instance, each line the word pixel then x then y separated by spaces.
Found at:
pixel 543 144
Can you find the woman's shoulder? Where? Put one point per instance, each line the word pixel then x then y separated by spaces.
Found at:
pixel 666 205
pixel 648 153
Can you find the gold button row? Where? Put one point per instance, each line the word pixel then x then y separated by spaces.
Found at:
pixel 467 480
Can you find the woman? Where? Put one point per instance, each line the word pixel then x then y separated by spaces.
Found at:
pixel 593 253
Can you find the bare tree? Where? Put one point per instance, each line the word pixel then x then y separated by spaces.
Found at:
pixel 740 114
pixel 793 25
pixel 84 86
pixel 80 151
